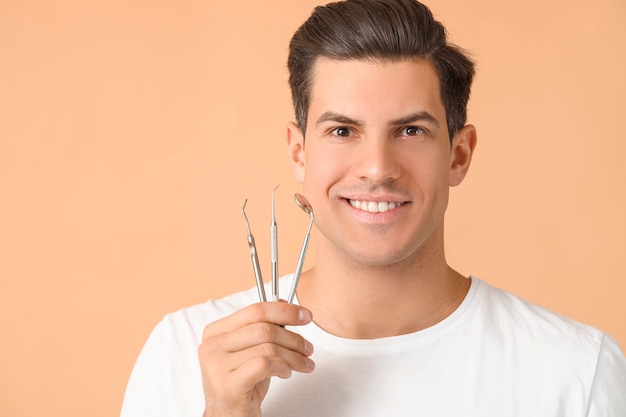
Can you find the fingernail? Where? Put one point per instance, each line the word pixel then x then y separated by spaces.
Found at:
pixel 308 348
pixel 309 363
pixel 305 315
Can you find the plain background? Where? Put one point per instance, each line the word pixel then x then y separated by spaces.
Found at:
pixel 131 131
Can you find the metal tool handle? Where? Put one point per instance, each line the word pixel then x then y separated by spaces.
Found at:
pixel 274 248
pixel 274 238
pixel 296 274
pixel 257 269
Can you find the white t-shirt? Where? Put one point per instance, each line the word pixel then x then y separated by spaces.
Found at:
pixel 496 355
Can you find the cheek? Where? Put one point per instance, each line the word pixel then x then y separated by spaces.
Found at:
pixel 324 167
pixel 430 171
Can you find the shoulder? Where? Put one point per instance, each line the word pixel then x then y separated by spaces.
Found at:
pixel 565 358
pixel 166 378
pixel 546 338
pixel 512 315
pixel 553 347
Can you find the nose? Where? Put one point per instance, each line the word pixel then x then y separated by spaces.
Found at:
pixel 377 161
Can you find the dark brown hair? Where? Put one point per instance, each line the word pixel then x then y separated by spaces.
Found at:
pixel 379 30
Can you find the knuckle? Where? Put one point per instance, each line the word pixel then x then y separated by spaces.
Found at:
pixel 268 350
pixel 270 365
pixel 207 332
pixel 207 347
pixel 257 312
pixel 265 332
pixel 261 364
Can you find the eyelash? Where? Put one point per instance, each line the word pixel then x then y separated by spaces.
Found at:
pixel 402 132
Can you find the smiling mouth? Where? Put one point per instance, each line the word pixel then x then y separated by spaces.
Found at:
pixel 374 206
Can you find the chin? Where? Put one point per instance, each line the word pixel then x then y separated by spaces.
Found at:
pixel 377 259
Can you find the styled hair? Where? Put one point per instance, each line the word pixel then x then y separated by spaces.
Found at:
pixel 386 30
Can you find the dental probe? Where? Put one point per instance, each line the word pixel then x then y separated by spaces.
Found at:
pixel 274 238
pixel 255 258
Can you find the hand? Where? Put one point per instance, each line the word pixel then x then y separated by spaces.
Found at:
pixel 240 353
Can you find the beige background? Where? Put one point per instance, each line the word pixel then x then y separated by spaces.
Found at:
pixel 131 131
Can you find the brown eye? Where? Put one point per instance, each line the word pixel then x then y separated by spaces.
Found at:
pixel 341 131
pixel 411 131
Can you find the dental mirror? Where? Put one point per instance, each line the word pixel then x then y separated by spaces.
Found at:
pixel 304 204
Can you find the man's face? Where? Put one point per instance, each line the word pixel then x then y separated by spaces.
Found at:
pixel 377 164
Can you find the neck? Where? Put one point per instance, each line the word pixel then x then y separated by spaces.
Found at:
pixel 367 302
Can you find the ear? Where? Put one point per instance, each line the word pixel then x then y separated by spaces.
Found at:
pixel 463 145
pixel 295 145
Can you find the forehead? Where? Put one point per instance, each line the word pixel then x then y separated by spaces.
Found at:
pixel 380 88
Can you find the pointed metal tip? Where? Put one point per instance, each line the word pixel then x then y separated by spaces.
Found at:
pixel 243 211
pixel 273 212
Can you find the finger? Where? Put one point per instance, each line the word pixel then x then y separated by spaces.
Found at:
pixel 277 313
pixel 259 365
pixel 246 381
pixel 261 333
pixel 256 339
pixel 240 371
pixel 232 350
pixel 296 360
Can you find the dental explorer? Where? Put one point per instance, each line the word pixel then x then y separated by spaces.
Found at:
pixel 255 258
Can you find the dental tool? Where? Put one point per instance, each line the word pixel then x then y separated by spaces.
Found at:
pixel 255 258
pixel 274 241
pixel 304 204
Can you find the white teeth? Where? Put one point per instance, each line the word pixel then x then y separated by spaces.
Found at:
pixel 374 206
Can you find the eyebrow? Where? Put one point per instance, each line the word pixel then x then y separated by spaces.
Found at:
pixel 331 116
pixel 423 116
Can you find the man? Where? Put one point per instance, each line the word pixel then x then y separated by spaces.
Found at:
pixel 382 326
